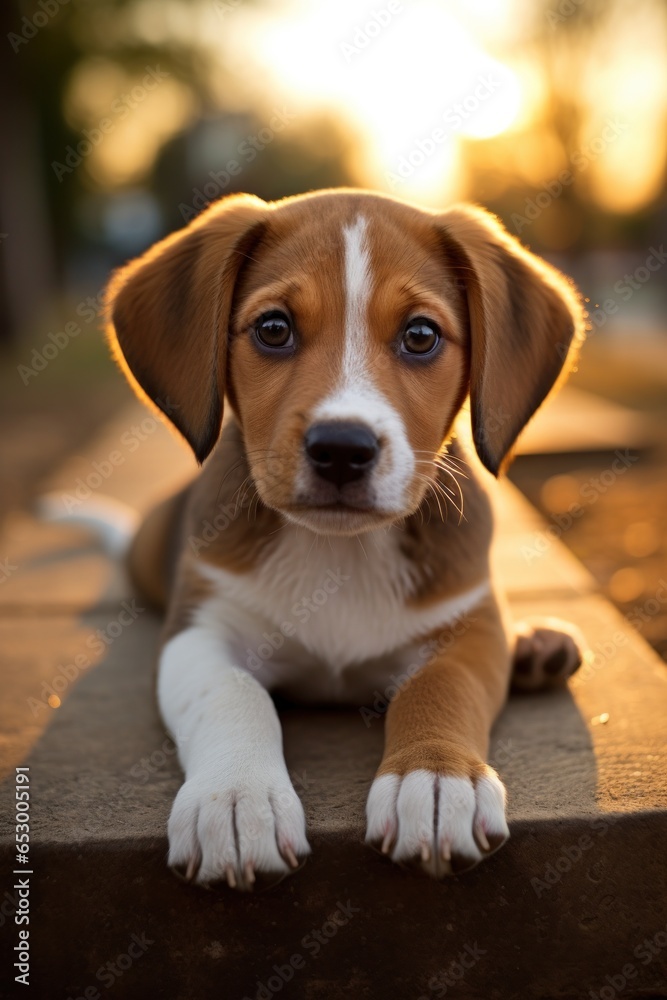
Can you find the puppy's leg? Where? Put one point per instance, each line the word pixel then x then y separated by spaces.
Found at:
pixel 435 801
pixel 547 652
pixel 237 813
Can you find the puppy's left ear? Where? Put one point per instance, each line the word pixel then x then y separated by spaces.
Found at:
pixel 526 321
pixel 169 312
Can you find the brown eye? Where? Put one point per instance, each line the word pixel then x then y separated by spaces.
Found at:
pixel 274 329
pixel 421 336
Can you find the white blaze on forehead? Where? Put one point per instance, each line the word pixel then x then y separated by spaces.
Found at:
pixel 357 397
pixel 357 295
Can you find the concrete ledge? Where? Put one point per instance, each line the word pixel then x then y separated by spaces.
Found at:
pixel 403 931
pixel 568 902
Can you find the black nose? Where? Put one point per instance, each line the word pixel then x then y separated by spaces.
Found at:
pixel 341 452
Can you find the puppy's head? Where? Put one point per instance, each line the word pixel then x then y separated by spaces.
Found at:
pixel 346 329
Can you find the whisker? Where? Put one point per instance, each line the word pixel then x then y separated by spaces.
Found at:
pixel 458 486
pixel 444 456
pixel 451 457
pixel 422 461
pixel 239 463
pixel 446 467
pixel 431 486
pixel 362 546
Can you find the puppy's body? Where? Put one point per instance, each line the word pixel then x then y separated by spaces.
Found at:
pixel 337 541
pixel 342 614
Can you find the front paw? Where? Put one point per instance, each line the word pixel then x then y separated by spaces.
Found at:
pixel 444 823
pixel 233 831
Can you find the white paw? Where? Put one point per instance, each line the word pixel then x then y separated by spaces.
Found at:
pixel 234 831
pixel 445 824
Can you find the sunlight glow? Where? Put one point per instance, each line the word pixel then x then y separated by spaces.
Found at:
pixel 431 100
pixel 628 90
pixel 411 81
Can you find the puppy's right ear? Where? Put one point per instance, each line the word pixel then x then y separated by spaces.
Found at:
pixel 168 315
pixel 526 324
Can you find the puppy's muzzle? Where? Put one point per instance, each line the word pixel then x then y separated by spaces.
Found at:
pixel 341 452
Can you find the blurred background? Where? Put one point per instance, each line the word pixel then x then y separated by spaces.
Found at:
pixel 123 119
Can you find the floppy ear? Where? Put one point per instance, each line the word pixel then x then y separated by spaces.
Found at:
pixel 526 320
pixel 169 310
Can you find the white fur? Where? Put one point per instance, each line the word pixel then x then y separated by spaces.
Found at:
pixel 358 287
pixel 433 819
pixel 112 521
pixel 342 648
pixel 356 397
pixel 237 812
pixel 395 469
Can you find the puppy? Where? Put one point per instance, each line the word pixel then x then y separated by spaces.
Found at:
pixel 338 535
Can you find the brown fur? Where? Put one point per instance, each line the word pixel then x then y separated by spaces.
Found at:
pixel 155 549
pixel 525 322
pixel 448 542
pixel 441 719
pixel 169 312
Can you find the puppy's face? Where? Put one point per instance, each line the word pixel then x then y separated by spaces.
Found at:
pixel 346 329
pixel 348 362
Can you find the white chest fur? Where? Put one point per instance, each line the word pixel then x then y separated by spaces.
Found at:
pixel 315 610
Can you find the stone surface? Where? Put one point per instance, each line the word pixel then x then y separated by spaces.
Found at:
pixel 565 904
pixel 574 420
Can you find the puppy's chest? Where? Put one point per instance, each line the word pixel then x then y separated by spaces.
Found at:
pixel 342 599
pixel 319 614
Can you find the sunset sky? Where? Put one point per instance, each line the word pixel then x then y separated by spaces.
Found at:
pixel 423 88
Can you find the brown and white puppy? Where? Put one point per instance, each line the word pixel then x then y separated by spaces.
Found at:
pixel 346 330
